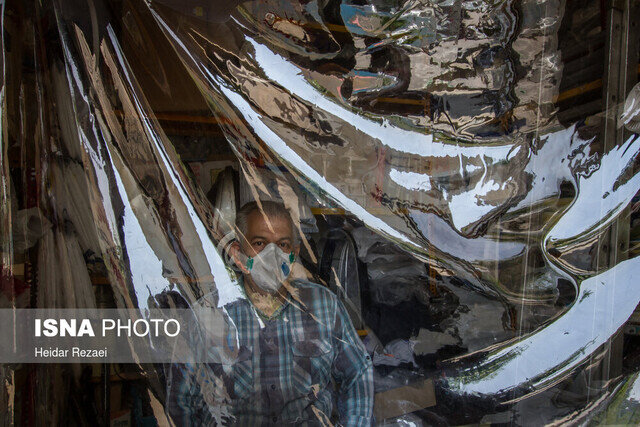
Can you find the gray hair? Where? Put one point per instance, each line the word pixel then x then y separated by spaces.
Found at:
pixel 269 208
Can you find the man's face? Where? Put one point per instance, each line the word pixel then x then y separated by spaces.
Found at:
pixel 262 231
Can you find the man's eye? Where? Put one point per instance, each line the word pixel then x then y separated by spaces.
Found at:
pixel 258 243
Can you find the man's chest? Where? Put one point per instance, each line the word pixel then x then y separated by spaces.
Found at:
pixel 284 359
pixel 291 325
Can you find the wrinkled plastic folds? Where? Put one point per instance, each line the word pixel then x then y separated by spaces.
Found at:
pixel 482 239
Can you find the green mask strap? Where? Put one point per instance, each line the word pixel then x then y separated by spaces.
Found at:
pixel 292 257
pixel 249 264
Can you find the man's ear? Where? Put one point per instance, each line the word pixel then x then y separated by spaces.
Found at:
pixel 234 251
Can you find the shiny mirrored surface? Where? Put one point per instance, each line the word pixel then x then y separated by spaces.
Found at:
pixel 462 174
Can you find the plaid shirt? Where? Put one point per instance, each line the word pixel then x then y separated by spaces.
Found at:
pixel 288 368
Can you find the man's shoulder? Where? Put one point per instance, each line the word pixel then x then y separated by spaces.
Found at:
pixel 307 284
pixel 314 290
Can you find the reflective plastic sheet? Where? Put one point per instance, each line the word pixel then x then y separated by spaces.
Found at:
pixel 462 176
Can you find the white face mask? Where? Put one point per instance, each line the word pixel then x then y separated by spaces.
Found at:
pixel 269 268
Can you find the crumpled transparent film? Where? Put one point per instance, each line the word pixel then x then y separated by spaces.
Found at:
pixel 419 146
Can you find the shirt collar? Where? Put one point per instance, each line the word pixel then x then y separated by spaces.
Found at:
pixel 276 313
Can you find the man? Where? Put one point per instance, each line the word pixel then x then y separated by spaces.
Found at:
pixel 297 342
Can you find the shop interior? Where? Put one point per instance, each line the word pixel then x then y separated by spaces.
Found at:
pixel 420 319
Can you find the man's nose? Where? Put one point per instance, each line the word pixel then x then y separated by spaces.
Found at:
pixel 261 248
